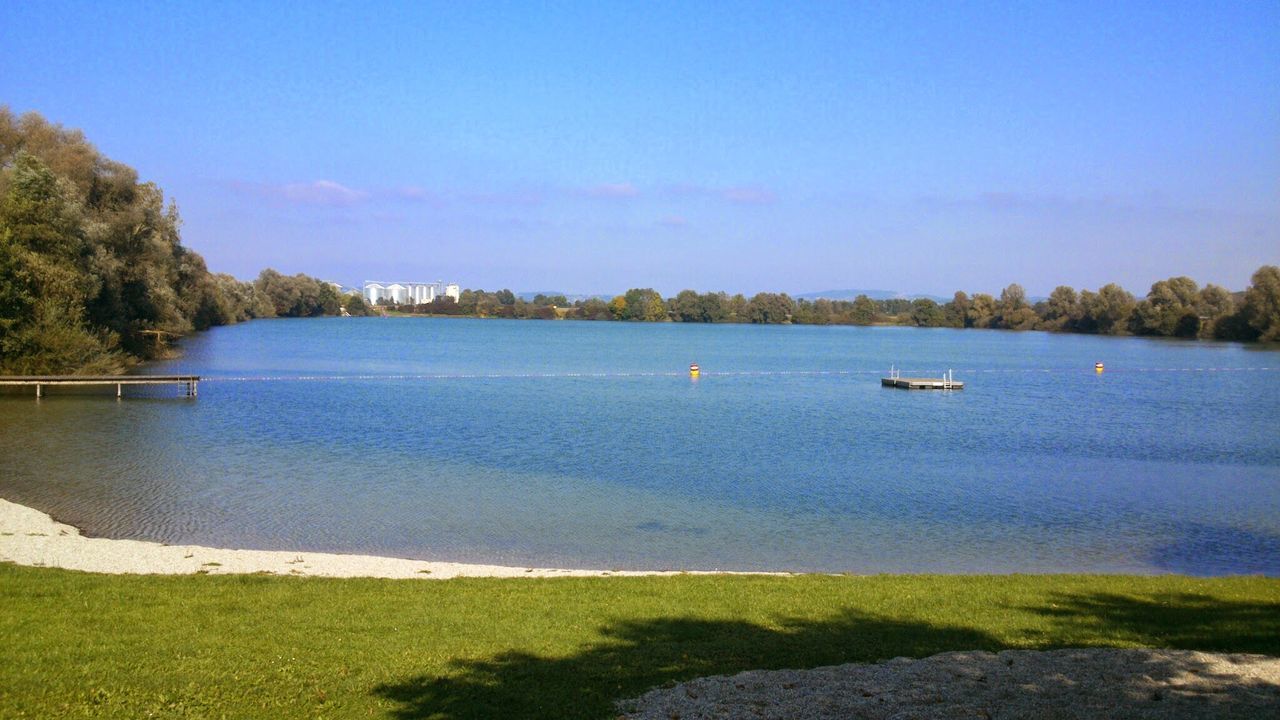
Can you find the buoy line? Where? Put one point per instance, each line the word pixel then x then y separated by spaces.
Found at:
pixel 702 373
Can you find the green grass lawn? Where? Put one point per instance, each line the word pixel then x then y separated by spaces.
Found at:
pixel 77 645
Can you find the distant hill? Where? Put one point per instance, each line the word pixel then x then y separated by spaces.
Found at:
pixel 873 294
pixel 849 294
pixel 529 295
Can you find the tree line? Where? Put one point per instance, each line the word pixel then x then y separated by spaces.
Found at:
pixel 94 278
pixel 93 274
pixel 1176 307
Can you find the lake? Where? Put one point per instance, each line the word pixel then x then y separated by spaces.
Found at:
pixel 587 444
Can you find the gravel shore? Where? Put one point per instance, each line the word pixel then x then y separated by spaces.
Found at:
pixel 1055 685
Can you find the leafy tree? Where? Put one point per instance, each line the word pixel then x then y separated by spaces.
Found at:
pixel 1170 309
pixel 957 310
pixel 1062 310
pixel 982 311
pixel 43 280
pixel 1013 312
pixel 86 248
pixel 863 311
pixel 895 306
pixel 56 340
pixel 684 306
pixel 770 308
pixel 927 313
pixel 618 307
pixel 467 301
pixel 655 309
pixel 486 304
pixel 1261 305
pixel 297 296
pixel 824 311
pixel 689 306
pixel 280 291
pixel 1013 297
pixel 357 307
pixel 1213 305
pixel 1108 311
pixel 644 304
pixel 594 309
pixel 38 244
pixel 803 314
pixel 541 300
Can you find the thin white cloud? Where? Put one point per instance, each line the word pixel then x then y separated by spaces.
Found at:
pixel 519 198
pixel 326 193
pixel 737 194
pixel 612 190
pixel 1008 201
pixel 452 196
pixel 413 192
pixel 322 192
pixel 749 195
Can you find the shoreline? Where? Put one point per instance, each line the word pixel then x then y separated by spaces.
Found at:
pixel 33 538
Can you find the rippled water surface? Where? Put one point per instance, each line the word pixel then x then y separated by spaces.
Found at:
pixel 588 445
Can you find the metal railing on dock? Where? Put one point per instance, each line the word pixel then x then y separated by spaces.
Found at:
pixel 946 382
pixel 190 382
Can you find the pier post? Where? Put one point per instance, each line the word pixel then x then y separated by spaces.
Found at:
pixel 189 382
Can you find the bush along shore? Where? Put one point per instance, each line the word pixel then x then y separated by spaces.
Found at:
pixel 1177 307
pixel 93 274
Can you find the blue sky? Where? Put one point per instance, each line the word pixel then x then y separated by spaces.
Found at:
pixel 596 146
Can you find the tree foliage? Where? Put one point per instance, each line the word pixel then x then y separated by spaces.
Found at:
pixel 1261 308
pixel 1176 307
pixel 1170 309
pixel 93 273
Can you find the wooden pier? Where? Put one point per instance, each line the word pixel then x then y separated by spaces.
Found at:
pixel 946 382
pixel 189 382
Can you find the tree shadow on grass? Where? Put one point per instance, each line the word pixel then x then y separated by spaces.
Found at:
pixel 636 656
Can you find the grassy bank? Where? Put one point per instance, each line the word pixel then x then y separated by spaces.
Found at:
pixel 252 646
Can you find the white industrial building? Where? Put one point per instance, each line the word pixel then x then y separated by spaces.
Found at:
pixel 402 293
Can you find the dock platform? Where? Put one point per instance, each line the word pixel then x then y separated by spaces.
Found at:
pixel 946 382
pixel 922 383
pixel 189 382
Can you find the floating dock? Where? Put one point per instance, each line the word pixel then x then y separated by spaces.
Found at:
pixel 189 382
pixel 946 382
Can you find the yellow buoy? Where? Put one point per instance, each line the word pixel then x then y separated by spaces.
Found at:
pixel 694 369
pixel 1097 367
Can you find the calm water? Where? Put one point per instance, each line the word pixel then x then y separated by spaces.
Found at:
pixel 474 441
